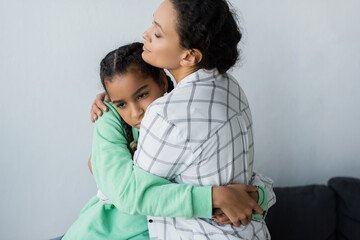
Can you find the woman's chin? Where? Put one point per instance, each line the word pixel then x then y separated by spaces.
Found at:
pixel 145 56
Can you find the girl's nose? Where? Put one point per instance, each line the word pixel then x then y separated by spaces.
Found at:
pixel 137 111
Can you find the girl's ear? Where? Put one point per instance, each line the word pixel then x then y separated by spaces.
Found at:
pixel 164 82
pixel 191 58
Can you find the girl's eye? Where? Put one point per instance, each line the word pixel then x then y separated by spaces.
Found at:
pixel 121 105
pixel 143 95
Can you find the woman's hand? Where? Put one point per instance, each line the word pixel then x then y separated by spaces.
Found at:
pixel 89 164
pixel 236 203
pixel 98 106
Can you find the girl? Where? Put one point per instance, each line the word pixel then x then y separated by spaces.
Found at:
pixel 201 133
pixel 132 85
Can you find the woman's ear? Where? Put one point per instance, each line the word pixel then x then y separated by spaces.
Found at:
pixel 191 58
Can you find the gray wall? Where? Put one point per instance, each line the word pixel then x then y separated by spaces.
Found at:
pixel 300 70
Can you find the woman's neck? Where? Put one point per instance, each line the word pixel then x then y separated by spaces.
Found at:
pixel 182 72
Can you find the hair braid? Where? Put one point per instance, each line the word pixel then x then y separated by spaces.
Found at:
pixel 130 136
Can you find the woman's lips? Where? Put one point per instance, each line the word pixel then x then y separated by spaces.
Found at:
pixel 145 49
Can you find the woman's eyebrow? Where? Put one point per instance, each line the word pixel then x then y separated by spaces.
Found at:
pixel 158 24
pixel 139 90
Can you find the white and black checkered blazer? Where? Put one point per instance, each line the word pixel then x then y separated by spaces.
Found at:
pixel 201 134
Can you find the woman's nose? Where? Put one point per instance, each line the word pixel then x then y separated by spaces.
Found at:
pixel 146 35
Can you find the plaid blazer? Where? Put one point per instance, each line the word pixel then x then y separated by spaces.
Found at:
pixel 201 134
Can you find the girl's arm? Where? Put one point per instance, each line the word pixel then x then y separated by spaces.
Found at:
pixel 136 191
pixel 218 214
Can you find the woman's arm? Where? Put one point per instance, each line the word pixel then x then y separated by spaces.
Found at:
pixel 89 164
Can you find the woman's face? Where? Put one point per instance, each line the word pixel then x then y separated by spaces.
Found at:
pixel 162 43
pixel 131 94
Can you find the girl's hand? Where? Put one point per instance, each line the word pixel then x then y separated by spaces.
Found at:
pixel 236 202
pixel 220 217
pixel 98 106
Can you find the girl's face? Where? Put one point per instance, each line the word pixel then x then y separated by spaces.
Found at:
pixel 162 43
pixel 131 94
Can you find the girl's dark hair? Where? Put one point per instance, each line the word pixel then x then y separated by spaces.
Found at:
pixel 211 27
pixel 119 61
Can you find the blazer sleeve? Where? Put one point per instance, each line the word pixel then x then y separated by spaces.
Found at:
pixel 265 182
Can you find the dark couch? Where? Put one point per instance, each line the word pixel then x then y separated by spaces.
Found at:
pixel 317 212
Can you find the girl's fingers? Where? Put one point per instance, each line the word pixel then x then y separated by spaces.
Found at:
pixel 223 218
pixel 258 209
pixel 217 212
pixel 250 188
pixel 222 222
pixel 244 222
pixel 235 220
pixel 226 222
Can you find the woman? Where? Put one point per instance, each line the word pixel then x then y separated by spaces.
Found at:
pixel 200 133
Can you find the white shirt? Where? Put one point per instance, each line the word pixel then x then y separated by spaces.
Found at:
pixel 201 134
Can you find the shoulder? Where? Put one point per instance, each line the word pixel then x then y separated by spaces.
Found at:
pixel 109 123
pixel 110 116
pixel 158 126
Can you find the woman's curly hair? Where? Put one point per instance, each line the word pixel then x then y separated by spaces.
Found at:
pixel 211 27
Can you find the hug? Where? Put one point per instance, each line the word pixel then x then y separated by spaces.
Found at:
pixel 175 162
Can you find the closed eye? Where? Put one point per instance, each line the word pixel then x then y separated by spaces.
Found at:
pixel 155 26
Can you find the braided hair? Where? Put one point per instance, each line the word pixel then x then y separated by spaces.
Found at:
pixel 119 61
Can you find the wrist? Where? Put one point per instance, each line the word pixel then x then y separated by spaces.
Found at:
pixel 218 193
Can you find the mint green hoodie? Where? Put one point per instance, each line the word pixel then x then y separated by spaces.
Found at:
pixel 134 192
